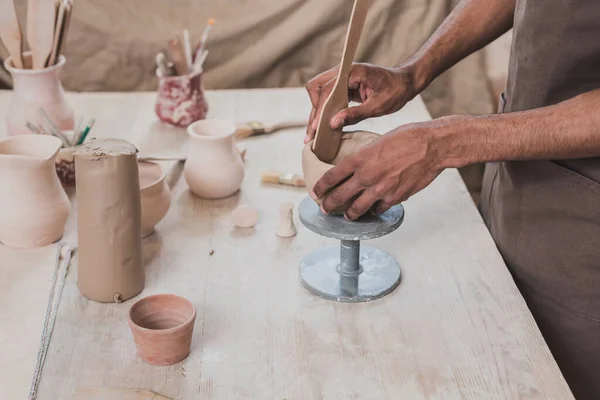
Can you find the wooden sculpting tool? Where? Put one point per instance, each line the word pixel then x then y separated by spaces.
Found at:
pixel 63 20
pixel 254 128
pixel 177 52
pixel 327 141
pixel 187 48
pixel 41 16
pixel 10 32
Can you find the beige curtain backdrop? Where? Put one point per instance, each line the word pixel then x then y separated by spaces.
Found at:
pixel 257 43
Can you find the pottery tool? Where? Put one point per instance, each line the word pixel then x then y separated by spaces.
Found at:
pixel 327 141
pixel 187 48
pixel 203 39
pixel 10 32
pixel 163 65
pixel 60 32
pixel 86 131
pixel 254 128
pixel 64 253
pixel 109 393
pixel 282 178
pixel 200 61
pixel 177 53
pixel 34 129
pixel 349 273
pixel 40 30
pixel 53 129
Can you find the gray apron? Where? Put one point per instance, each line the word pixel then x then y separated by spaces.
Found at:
pixel 545 215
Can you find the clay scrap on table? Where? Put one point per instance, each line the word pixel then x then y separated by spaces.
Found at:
pixel 286 227
pixel 245 216
pixel 106 393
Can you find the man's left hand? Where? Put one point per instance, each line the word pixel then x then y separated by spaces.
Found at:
pixel 382 174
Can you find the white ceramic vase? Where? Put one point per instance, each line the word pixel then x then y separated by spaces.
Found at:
pixel 34 89
pixel 33 205
pixel 214 168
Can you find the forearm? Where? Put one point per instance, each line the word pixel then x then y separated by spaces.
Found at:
pixel 472 25
pixel 567 130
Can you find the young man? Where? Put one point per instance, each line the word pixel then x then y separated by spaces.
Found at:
pixel 541 191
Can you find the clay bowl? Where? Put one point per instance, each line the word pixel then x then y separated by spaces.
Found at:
pixel 155 195
pixel 162 327
pixel 314 169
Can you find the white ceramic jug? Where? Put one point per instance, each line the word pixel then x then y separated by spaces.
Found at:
pixel 33 204
pixel 214 168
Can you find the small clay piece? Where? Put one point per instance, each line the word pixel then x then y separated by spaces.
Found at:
pixel 211 252
pixel 162 327
pixel 286 227
pixel 314 168
pixel 33 205
pixel 245 216
pixel 109 393
pixel 155 195
pixel 214 168
pixel 109 220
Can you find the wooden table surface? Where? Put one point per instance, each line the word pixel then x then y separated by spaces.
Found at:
pixel 455 328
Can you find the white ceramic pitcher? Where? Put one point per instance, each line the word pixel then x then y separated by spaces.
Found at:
pixel 214 168
pixel 33 205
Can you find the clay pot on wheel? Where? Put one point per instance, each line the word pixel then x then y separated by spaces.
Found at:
pixel 155 195
pixel 314 169
pixel 162 327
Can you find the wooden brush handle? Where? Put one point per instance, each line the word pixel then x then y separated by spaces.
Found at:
pixel 10 32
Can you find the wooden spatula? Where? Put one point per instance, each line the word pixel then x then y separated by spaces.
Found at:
pixel 177 53
pixel 327 141
pixel 61 29
pixel 10 32
pixel 41 15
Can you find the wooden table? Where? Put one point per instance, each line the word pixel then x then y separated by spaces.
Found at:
pixel 456 327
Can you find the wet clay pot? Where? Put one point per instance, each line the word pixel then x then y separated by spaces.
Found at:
pixel 162 327
pixel 33 205
pixel 109 220
pixel 34 89
pixel 214 168
pixel 155 195
pixel 314 169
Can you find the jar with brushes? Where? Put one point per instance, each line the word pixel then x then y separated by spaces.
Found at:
pixel 34 89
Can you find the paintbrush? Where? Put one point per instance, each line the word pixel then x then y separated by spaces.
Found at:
pixel 187 48
pixel 203 40
pixel 86 131
pixel 254 128
pixel 282 178
pixel 53 128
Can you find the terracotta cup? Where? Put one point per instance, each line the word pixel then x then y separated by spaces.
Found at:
pixel 180 99
pixel 34 89
pixel 155 195
pixel 162 327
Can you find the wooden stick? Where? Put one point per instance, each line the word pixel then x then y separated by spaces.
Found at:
pixel 10 32
pixel 177 54
pixel 40 30
pixel 327 141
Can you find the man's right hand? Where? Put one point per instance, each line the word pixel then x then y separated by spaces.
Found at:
pixel 380 91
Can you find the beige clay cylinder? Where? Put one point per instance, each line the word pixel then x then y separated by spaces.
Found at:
pixel 109 220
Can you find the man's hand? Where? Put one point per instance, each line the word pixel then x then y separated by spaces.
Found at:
pixel 384 173
pixel 380 90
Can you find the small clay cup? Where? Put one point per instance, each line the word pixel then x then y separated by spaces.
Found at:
pixel 162 327
pixel 155 195
pixel 180 99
